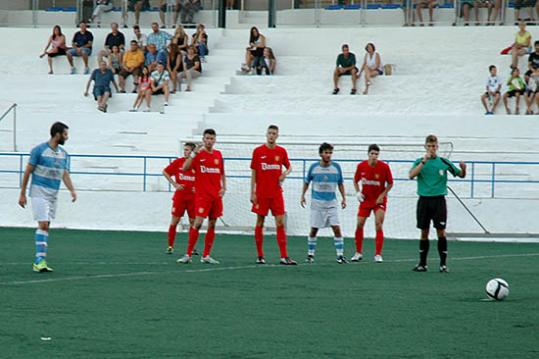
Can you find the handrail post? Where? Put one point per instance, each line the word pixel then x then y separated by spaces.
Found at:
pixel 144 178
pixel 492 179
pixel 15 128
pixel 473 180
pixel 20 170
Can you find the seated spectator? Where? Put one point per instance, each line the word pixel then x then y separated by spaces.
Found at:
pixel 140 38
pixel 134 5
pixel 159 38
pixel 188 10
pixel 523 4
pixel 102 78
pixel 144 86
pixel 132 62
pixel 346 65
pixel 102 6
pixel 159 82
pixel 192 67
pixel 515 88
pixel 152 58
pixel 115 60
pixel 522 44
pixel 58 42
pixel 257 43
pixel 200 41
pixel 162 11
pixel 230 4
pixel 114 38
pixel 372 66
pixel 482 4
pixel 267 63
pixel 174 64
pixel 533 59
pixel 181 39
pixel 81 46
pixel 495 12
pixel 419 8
pixel 493 91
pixel 532 90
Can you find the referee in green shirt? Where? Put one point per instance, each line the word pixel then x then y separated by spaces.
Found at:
pixel 431 172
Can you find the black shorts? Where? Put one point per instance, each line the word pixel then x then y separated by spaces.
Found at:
pixel 158 92
pixel 60 52
pixel 431 209
pixel 349 72
pixel 495 93
pixel 514 92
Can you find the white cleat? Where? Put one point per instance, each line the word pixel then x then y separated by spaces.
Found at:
pixel 184 260
pixel 378 258
pixel 357 257
pixel 208 260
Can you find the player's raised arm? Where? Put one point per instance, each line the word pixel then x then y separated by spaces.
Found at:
pixel 189 160
pixel 418 166
pixel 26 177
pixel 69 184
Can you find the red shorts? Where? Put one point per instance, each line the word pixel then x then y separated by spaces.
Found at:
pixel 182 204
pixel 206 206
pixel 276 204
pixel 366 208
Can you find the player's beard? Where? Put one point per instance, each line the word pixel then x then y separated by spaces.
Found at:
pixel 61 141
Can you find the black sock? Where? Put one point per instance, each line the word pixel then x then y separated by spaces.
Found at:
pixel 423 251
pixel 442 250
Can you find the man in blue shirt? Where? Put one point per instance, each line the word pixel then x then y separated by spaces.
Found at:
pixel 102 78
pixel 326 177
pixel 49 166
pixel 82 46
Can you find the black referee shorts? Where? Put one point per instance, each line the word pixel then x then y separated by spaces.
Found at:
pixel 431 209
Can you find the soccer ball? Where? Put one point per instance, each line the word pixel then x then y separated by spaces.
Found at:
pixel 497 288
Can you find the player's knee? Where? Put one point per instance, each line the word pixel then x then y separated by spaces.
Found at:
pixel 44 226
pixel 440 233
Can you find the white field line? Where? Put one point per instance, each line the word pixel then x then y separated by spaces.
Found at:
pixel 220 269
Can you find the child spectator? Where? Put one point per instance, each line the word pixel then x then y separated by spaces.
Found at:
pixel 532 90
pixel 181 39
pixel 114 38
pixel 115 60
pixel 58 42
pixel 200 41
pixel 144 91
pixel 257 43
pixel 159 84
pixel 372 65
pixel 174 64
pixel 192 68
pixel 268 62
pixel 346 65
pixel 81 46
pixel 493 90
pixel 102 78
pixel 132 61
pixel 515 88
pixel 102 6
pixel 522 44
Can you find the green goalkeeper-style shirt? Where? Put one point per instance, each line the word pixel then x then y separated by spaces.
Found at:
pixel 432 180
pixel 346 61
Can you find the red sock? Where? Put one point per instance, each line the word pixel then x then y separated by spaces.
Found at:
pixel 281 241
pixel 359 240
pixel 259 239
pixel 208 241
pixel 379 242
pixel 193 238
pixel 171 235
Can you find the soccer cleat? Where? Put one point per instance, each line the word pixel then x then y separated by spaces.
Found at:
pixel 260 260
pixel 419 268
pixel 288 262
pixel 378 258
pixel 444 269
pixel 184 260
pixel 309 259
pixel 342 260
pixel 170 250
pixel 41 267
pixel 357 257
pixel 208 260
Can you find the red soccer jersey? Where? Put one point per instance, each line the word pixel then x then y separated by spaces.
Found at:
pixel 373 179
pixel 268 162
pixel 186 179
pixel 209 168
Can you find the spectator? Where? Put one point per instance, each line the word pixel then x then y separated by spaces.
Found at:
pixel 532 90
pixel 152 58
pixel 115 60
pixel 530 5
pixel 419 7
pixel 515 88
pixel 162 11
pixel 268 62
pixel 140 38
pixel 158 84
pixel 483 4
pixel 495 12
pixel 346 65
pixel 133 60
pixel 192 67
pixel 82 46
pixel 174 64
pixel 200 41
pixel 257 43
pixel 465 8
pixel 533 59
pixel 372 65
pixel 134 5
pixel 144 86
pixel 493 90
pixel 114 38
pixel 159 38
pixel 102 6
pixel 181 39
pixel 58 42
pixel 102 78
pixel 188 10
pixel 230 4
pixel 522 44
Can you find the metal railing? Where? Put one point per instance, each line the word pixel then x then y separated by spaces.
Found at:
pixel 486 177
pixel 12 109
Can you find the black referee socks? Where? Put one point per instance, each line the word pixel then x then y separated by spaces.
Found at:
pixel 423 251
pixel 442 250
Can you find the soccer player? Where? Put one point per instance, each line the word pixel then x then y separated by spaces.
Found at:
pixel 431 172
pixel 376 181
pixel 210 187
pixel 267 176
pixel 48 165
pixel 184 197
pixel 326 176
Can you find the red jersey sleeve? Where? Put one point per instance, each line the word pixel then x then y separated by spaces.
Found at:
pixel 254 161
pixel 389 178
pixel 286 161
pixel 357 174
pixel 172 168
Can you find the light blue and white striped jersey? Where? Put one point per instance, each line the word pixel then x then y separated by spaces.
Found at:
pixel 49 166
pixel 324 184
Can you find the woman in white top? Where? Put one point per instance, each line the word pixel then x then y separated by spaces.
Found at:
pixel 372 65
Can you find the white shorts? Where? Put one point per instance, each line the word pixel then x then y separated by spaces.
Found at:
pixel 324 217
pixel 43 209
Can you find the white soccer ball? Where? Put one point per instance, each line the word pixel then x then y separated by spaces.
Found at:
pixel 497 288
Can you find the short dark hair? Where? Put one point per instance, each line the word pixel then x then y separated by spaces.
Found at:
pixel 136 27
pixel 324 147
pixel 273 127
pixel 209 131
pixel 58 127
pixel 134 42
pixel 373 147
pixel 190 144
pixel 373 47
pixel 82 22
pixel 536 43
pixel 431 138
pixel 491 67
pixel 344 45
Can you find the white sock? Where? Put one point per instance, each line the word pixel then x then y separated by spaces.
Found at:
pixel 311 243
pixel 339 245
